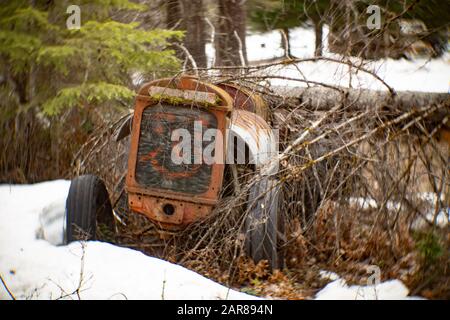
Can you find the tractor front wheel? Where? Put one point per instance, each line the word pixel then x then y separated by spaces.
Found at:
pixel 88 210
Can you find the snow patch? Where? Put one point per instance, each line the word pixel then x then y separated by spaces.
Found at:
pixel 31 224
pixel 389 290
pixel 442 215
pixel 42 268
pixel 328 275
pixel 52 222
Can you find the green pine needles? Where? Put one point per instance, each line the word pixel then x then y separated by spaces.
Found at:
pixel 51 68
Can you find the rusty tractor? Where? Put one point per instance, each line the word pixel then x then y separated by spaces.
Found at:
pixel 174 184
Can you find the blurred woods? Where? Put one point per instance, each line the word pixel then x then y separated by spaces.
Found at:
pixel 349 32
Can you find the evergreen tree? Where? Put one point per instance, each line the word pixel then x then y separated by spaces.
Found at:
pixel 50 74
pixel 52 68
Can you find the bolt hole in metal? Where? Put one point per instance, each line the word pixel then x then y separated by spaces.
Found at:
pixel 168 209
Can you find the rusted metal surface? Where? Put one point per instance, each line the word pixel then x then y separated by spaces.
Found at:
pixel 154 167
pixel 168 212
pixel 259 137
pixel 244 99
pixel 172 195
pixel 445 135
pixel 188 83
pixel 125 128
pixel 157 188
pixel 189 95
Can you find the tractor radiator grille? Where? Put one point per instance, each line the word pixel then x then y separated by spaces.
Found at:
pixel 154 167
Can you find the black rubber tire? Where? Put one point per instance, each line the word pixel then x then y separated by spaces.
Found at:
pixel 264 224
pixel 87 206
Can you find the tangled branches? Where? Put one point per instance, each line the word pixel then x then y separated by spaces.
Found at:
pixel 361 173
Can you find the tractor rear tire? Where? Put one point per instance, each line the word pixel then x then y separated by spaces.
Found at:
pixel 87 208
pixel 264 224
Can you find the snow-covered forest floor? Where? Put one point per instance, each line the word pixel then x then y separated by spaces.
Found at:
pixel 34 263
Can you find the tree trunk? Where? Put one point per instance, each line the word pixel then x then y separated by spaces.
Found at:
pixel 174 19
pixel 286 42
pixel 194 21
pixel 318 31
pixel 231 22
pixel 322 99
pixel 20 82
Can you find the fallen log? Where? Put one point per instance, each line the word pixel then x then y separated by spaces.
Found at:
pixel 323 99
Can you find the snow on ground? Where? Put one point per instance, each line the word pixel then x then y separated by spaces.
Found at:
pixel 268 45
pixel 264 46
pixel 403 75
pixel 338 289
pixel 442 216
pixel 35 265
pixel 389 290
pixel 36 268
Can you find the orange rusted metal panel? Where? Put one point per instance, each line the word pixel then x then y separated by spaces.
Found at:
pixel 245 99
pixel 445 135
pixel 259 137
pixel 170 195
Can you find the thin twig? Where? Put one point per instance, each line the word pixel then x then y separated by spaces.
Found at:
pixel 7 289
